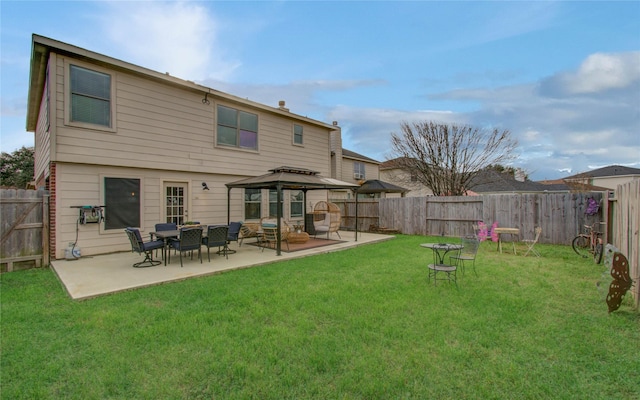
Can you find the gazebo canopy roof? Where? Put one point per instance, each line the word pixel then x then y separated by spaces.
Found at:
pixel 291 178
pixel 378 186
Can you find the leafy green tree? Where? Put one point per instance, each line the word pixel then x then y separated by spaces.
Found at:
pixel 445 157
pixel 16 169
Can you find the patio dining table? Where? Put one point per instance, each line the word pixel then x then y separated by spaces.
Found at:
pixel 166 236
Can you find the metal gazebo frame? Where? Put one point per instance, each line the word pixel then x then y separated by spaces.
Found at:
pixel 290 178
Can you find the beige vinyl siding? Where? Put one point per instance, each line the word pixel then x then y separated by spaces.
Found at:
pixel 83 185
pixel 370 170
pixel 403 179
pixel 42 139
pixel 164 127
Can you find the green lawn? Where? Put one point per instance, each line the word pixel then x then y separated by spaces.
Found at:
pixel 357 324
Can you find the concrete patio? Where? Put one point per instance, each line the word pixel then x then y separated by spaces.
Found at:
pixel 92 276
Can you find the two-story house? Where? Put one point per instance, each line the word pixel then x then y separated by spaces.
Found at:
pixel 149 147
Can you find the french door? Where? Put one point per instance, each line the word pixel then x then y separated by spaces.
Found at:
pixel 176 202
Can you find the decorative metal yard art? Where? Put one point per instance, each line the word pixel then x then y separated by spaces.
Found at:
pixel 621 279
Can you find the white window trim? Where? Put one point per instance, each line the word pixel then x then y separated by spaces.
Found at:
pixel 215 129
pixel 67 96
pixel 293 135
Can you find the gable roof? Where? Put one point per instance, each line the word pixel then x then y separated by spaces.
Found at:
pixel 490 180
pixel 352 154
pixel 611 170
pixel 41 48
pixel 393 163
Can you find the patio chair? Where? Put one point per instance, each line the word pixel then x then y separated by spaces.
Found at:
pixel 216 237
pixel 270 236
pixel 190 239
pixel 449 271
pixel 530 243
pixel 233 235
pixel 249 230
pixel 330 215
pixel 165 226
pixel 141 247
pixel 470 244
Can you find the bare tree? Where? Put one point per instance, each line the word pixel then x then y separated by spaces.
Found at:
pixel 444 157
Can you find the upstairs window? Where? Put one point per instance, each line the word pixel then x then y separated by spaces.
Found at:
pixel 90 96
pixel 358 170
pixel 237 128
pixel 297 134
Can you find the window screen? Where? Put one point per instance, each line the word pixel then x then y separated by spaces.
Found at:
pixel 90 96
pixel 122 203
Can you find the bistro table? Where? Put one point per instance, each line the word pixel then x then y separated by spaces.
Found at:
pixel 440 251
pixel 507 231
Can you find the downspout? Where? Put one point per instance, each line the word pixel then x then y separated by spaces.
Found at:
pixel 228 205
pixel 279 216
pixel 356 194
pixel 304 209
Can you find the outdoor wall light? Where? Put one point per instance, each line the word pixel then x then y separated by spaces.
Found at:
pixel 204 186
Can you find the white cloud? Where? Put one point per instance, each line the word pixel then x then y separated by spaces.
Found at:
pixel 598 73
pixel 179 38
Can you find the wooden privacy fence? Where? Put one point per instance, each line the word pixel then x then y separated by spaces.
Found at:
pixel 23 222
pixel 624 217
pixel 561 215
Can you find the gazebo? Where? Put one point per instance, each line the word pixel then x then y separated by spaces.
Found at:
pixel 290 178
pixel 377 186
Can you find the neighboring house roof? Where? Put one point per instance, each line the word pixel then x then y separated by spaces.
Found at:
pixel 352 154
pixel 43 46
pixel 391 164
pixel 491 181
pixel 611 170
pixel 378 186
pixel 572 185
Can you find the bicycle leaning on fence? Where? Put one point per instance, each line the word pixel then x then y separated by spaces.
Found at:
pixel 589 242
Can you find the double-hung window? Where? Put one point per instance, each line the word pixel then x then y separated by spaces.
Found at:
pixel 90 96
pixel 237 128
pixel 252 203
pixel 296 199
pixel 297 134
pixel 358 170
pixel 273 203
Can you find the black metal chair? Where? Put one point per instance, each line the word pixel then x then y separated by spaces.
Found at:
pixel 470 244
pixel 166 226
pixel 216 237
pixel 233 236
pixel 190 240
pixel 141 247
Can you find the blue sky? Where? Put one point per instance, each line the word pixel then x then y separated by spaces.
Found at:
pixel 563 77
